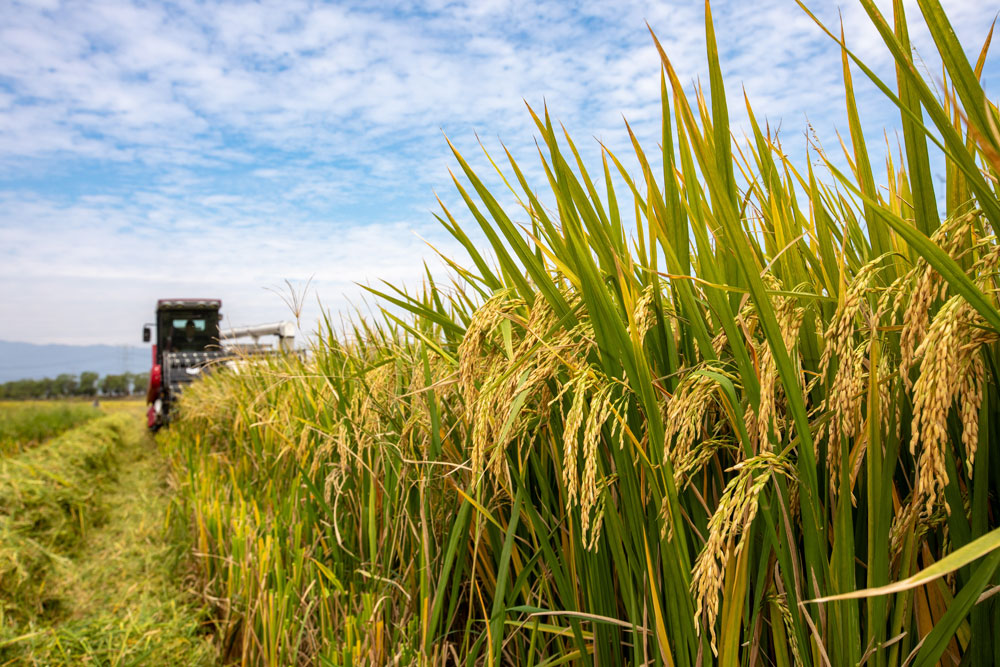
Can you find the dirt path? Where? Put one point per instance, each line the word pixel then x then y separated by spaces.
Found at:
pixel 120 596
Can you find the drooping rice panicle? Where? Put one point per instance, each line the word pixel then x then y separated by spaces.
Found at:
pixel 654 422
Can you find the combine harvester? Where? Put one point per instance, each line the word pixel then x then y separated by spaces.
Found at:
pixel 189 341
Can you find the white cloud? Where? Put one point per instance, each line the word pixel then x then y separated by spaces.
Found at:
pixel 101 267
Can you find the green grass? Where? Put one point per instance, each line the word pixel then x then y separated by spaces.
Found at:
pixel 89 574
pixel 50 498
pixel 656 426
pixel 24 424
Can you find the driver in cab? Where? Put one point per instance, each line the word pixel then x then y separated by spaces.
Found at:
pixel 180 339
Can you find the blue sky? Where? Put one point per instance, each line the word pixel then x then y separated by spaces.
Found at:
pixel 218 149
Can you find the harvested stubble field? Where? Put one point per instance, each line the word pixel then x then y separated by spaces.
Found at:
pixel 656 425
pixel 27 423
pixel 87 573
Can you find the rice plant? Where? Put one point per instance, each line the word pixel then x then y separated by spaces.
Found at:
pixel 740 412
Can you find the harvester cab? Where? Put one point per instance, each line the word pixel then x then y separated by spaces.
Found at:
pixel 187 342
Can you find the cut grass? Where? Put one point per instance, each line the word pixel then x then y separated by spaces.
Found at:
pixel 111 593
pixel 50 498
pixel 24 424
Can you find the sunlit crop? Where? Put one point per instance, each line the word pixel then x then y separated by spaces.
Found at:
pixel 656 425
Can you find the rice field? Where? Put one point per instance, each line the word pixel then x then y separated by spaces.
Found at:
pixel 87 573
pixel 27 423
pixel 740 410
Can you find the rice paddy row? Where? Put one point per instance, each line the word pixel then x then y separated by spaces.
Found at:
pixel 654 425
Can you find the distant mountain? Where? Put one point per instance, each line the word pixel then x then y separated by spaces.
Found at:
pixel 27 360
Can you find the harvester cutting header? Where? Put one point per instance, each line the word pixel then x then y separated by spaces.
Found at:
pixel 189 340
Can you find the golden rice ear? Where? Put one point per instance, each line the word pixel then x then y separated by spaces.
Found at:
pixel 951 368
pixel 728 529
pixel 471 349
pixel 768 419
pixel 685 417
pixel 572 422
pixel 644 315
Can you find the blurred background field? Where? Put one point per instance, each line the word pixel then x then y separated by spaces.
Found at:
pixel 26 423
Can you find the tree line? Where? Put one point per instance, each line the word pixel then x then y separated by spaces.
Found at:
pixel 86 384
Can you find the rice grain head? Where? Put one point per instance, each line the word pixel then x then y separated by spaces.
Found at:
pixel 951 368
pixel 644 314
pixel 684 422
pixel 727 531
pixel 780 602
pixel 847 348
pixel 767 419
